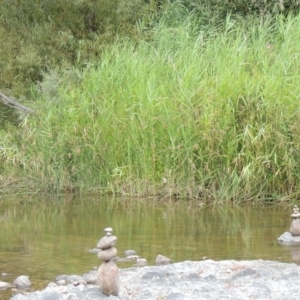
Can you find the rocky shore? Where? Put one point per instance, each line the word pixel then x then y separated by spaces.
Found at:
pixel 196 280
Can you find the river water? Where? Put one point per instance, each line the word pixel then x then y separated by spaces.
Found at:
pixel 44 238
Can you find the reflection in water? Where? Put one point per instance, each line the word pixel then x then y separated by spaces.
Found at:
pixel 47 238
pixel 295 253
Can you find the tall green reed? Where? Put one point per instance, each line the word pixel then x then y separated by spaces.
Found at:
pixel 190 113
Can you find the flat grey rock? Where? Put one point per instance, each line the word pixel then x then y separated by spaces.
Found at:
pixel 129 252
pixel 288 239
pixel 190 280
pixel 5 285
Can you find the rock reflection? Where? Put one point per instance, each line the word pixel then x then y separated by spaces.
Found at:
pixel 295 253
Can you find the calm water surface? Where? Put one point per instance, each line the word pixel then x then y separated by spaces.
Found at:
pixel 44 238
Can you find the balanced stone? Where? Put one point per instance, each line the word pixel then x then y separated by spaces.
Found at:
pixel 295 227
pixel 108 230
pixel 107 254
pixel 108 276
pixel 296 213
pixel 107 242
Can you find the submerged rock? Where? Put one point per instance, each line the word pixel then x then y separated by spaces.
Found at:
pixel 132 257
pixel 4 285
pixel 129 252
pixel 162 260
pixel 141 262
pixel 22 282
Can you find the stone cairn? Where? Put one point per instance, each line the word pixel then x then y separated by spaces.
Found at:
pixel 108 275
pixel 295 226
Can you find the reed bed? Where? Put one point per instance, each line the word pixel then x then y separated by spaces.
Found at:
pixel 210 115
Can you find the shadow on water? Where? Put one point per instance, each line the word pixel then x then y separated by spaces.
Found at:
pixel 46 238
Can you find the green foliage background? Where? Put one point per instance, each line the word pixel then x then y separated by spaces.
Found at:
pixel 40 35
pixel 164 98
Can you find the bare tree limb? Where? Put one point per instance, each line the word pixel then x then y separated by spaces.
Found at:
pixel 12 102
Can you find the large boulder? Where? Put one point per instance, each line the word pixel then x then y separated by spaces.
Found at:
pixel 288 239
pixel 108 277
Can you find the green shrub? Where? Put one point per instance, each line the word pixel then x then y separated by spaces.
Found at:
pixel 39 35
pixel 215 11
pixel 7 115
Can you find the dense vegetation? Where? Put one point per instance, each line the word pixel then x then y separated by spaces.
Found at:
pixel 183 98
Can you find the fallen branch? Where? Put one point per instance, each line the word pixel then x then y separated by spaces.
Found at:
pixel 12 102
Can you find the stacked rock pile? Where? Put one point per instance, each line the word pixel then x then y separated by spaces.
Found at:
pixel 292 237
pixel 108 275
pixel 295 226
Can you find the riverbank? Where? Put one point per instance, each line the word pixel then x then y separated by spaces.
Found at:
pixel 207 279
pixel 191 118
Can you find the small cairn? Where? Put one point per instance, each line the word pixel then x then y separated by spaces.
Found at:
pixel 295 226
pixel 108 275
